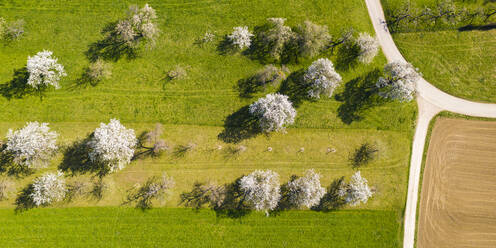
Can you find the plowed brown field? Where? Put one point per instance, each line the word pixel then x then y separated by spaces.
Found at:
pixel 458 199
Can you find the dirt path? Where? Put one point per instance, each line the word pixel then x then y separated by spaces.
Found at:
pixel 431 101
pixel 457 206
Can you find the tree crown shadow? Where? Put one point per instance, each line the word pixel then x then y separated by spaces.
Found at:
pixel 24 201
pixel 359 95
pixel 239 126
pixel 110 48
pixel 76 160
pixel 296 88
pixel 17 87
pixel 8 166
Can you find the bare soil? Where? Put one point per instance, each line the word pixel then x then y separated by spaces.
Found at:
pixel 458 199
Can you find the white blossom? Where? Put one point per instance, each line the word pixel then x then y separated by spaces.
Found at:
pixel 399 81
pixel 369 47
pixel 262 189
pixel 32 146
pixel 306 191
pixel 322 77
pixel 273 111
pixel 113 145
pixel 48 189
pixel 241 37
pixel 44 70
pixel 139 24
pixel 356 191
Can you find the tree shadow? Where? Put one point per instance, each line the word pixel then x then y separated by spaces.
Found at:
pixel 284 202
pixel 239 126
pixel 8 166
pixel 84 80
pixel 17 87
pixel 234 205
pixel 259 49
pixel 332 201
pixel 347 56
pixel 248 86
pixel 76 160
pixel 471 27
pixel 359 94
pixel 296 88
pixel 110 48
pixel 181 150
pixel 24 201
pixel 226 47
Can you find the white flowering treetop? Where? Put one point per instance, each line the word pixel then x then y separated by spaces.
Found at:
pixel 139 25
pixel 356 191
pixel 398 82
pixel 306 191
pixel 322 77
pixel 113 145
pixel 262 189
pixel 273 111
pixel 44 70
pixel 241 37
pixel 369 47
pixel 48 189
pixel 32 146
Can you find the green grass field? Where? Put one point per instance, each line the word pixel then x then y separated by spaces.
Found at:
pixel 193 110
pixel 124 227
pixel 461 63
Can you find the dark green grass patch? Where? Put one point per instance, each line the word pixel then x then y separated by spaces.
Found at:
pixel 124 227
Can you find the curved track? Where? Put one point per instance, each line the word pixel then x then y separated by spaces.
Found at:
pixel 431 101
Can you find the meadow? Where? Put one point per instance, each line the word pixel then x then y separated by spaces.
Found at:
pixel 195 110
pixel 123 227
pixel 461 63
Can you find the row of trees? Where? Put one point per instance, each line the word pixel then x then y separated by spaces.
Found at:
pixel 111 145
pixel 275 111
pixel 51 188
pixel 261 191
pixel 282 43
pixel 445 14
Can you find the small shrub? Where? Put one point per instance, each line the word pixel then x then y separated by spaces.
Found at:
pixel 150 143
pixel 207 38
pixel 98 70
pixel 202 194
pixel 153 188
pixel 177 73
pixel 363 155
pixel 98 189
pixel 11 31
pixel 75 189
